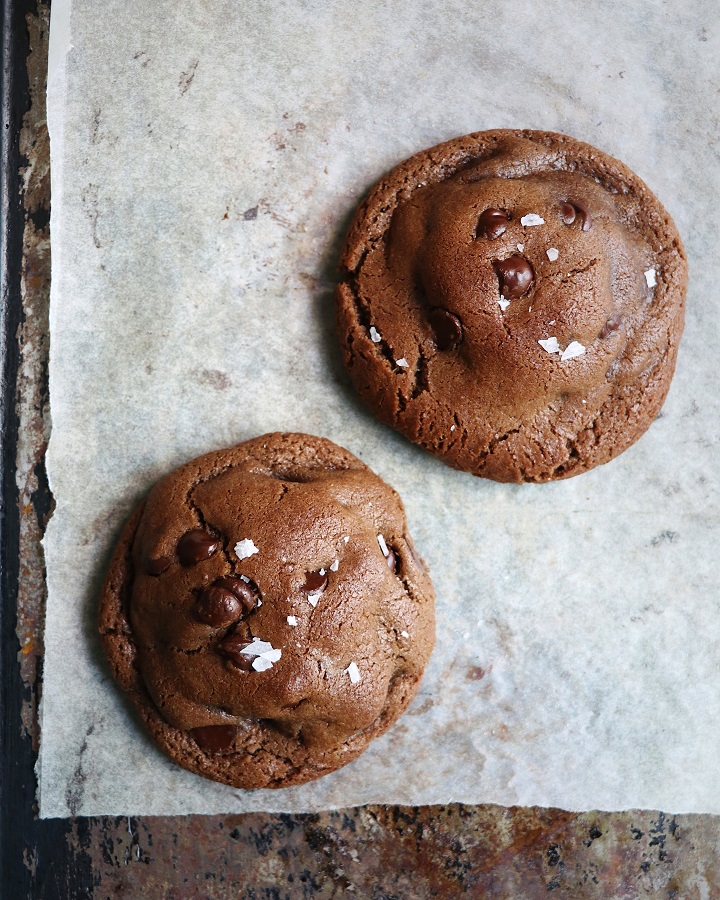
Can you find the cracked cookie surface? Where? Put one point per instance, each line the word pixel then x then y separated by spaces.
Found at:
pixel 512 301
pixel 266 611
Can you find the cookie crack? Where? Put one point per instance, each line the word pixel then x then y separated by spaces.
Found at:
pixel 421 384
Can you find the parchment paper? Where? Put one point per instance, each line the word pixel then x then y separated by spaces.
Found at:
pixel 206 160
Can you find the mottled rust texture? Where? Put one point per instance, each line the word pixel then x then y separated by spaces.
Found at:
pixel 378 852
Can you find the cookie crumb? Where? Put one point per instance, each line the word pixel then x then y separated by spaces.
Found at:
pixel 353 672
pixel 532 219
pixel 551 345
pixel 650 278
pixel 374 335
pixel 244 549
pixel 573 349
pixel 552 254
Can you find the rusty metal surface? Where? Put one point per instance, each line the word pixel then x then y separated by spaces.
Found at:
pixel 378 852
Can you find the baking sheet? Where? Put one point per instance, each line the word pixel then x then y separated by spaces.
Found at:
pixel 206 159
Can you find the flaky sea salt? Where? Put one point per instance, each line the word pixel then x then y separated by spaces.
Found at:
pixel 573 349
pixel 334 566
pixel 246 548
pixel 264 652
pixel 353 672
pixel 650 278
pixel 550 344
pixel 346 539
pixel 503 303
pixel 552 254
pixel 521 247
pixel 383 545
pixel 404 634
pixel 374 335
pixel 402 362
pixel 313 599
pixel 532 219
pixel 291 620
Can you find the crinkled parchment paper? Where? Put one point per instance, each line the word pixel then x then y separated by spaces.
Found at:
pixel 206 160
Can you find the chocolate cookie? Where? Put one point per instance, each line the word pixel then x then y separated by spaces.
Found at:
pixel 266 612
pixel 512 301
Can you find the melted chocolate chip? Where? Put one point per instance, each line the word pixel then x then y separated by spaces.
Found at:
pixel 569 211
pixel 516 276
pixel 214 738
pixel 232 647
pixel 492 223
pixel 246 592
pixel 315 582
pixel 157 566
pixel 612 324
pixel 447 328
pixel 218 607
pixel 195 546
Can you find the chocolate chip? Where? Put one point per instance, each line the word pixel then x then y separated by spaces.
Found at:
pixel 315 582
pixel 214 738
pixel 218 607
pixel 516 276
pixel 569 211
pixel 475 673
pixel 245 591
pixel 157 566
pixel 492 223
pixel 232 647
pixel 447 327
pixel 195 546
pixel 612 324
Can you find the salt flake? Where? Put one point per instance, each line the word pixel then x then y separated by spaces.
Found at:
pixel 552 254
pixel 551 345
pixel 503 303
pixel 353 672
pixel 313 599
pixel 374 335
pixel 650 278
pixel 291 620
pixel 575 348
pixel 404 634
pixel 532 219
pixel 261 664
pixel 402 362
pixel 264 652
pixel 334 566
pixel 383 545
pixel 521 247
pixel 246 548
pixel 245 579
pixel 346 539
